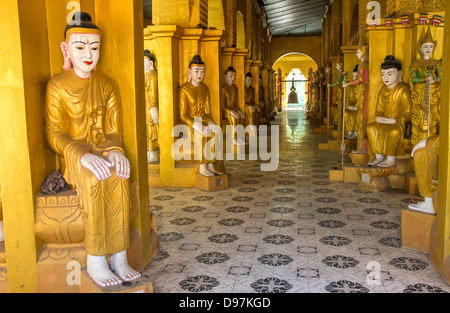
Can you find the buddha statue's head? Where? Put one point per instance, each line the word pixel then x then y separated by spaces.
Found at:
pixel 248 79
pixel 230 76
pixel 149 61
pixel 391 71
pixel 363 47
pixel 427 46
pixel 355 72
pixel 81 48
pixel 196 71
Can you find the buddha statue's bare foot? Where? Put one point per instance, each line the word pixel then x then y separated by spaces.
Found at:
pixel 212 169
pixel 378 159
pixel 423 206
pixel 100 273
pixel 390 161
pixel 119 264
pixel 152 156
pixel 204 171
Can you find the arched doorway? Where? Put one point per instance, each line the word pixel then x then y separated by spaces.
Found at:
pixel 295 65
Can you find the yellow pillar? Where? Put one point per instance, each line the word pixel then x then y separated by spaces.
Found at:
pixel 25 157
pixel 122 58
pixel 239 66
pixel 377 54
pixel 255 70
pixel 265 78
pixel 440 242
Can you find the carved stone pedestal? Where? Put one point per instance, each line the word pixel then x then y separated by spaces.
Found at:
pixel 416 230
pixel 212 183
pixel 375 179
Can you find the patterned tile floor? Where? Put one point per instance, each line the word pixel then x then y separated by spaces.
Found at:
pixel 291 230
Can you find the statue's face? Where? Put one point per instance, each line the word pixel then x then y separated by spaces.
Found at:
pixel 84 51
pixel 427 49
pixel 391 77
pixel 148 65
pixel 359 54
pixel 248 81
pixel 230 78
pixel 197 73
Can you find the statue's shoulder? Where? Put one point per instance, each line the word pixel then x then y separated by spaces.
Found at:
pixel 60 79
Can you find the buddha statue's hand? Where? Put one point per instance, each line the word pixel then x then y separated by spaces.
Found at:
pixel 385 120
pixel 242 115
pixel 235 114
pixel 120 163
pixel 430 79
pixel 344 84
pixel 155 115
pixel 97 165
pixel 352 108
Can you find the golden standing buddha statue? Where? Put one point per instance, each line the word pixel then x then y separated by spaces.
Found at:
pixel 425 79
pixel 195 112
pixel 230 102
pixel 351 109
pixel 252 110
pixel 393 112
pixel 151 101
pixel 84 127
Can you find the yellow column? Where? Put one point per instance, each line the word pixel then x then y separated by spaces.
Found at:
pixel 227 59
pixel 210 46
pixel 122 58
pixel 264 74
pixel 377 54
pixel 254 70
pixel 440 246
pixel 25 157
pixel 239 66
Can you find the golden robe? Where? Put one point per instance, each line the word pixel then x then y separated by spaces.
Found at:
pixel 151 101
pixel 392 103
pixel 262 101
pixel 84 116
pixel 251 118
pixel 426 165
pixel 195 102
pixel 350 116
pixel 230 102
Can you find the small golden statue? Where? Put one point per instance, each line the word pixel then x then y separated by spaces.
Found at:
pixel 151 101
pixel 351 109
pixel 393 112
pixel 84 123
pixel 230 102
pixel 195 112
pixel 425 83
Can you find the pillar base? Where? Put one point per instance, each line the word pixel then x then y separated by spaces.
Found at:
pixel 154 176
pixel 212 183
pixel 336 174
pixel 442 267
pixel 416 230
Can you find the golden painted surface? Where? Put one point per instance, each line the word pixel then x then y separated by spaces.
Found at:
pixel 251 118
pixel 350 115
pixel 84 116
pixel 392 103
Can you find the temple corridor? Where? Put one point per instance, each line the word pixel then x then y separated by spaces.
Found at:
pixel 291 230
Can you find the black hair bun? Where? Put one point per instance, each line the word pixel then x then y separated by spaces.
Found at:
pixel 390 59
pixel 82 16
